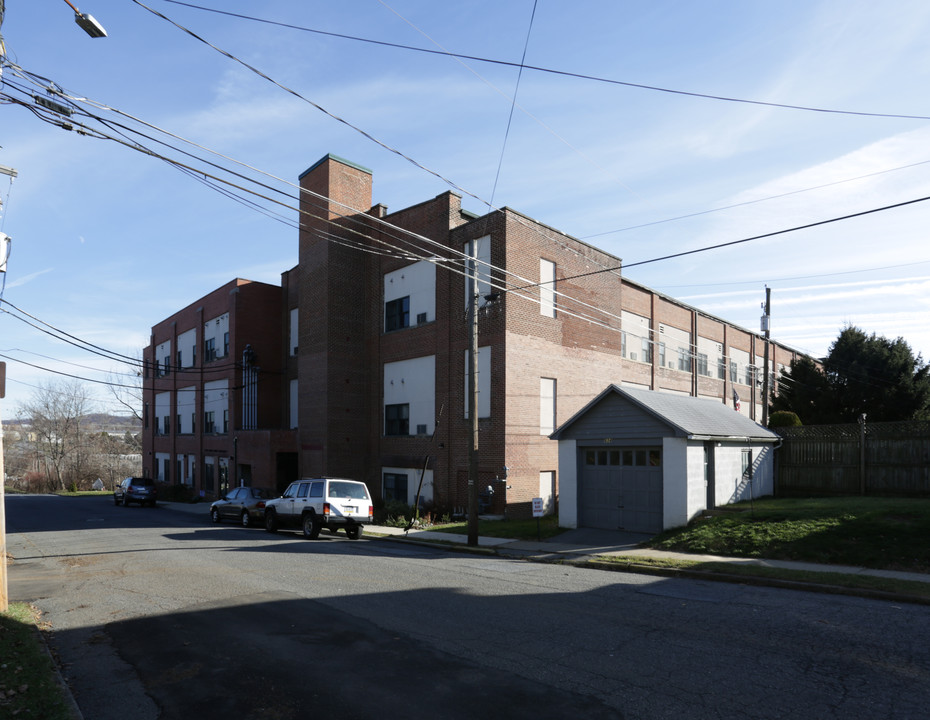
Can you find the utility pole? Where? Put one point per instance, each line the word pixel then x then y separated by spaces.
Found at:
pixel 93 28
pixel 766 328
pixel 472 322
pixel 4 596
pixel 4 255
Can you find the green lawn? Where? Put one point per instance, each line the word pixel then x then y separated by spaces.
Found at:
pixel 885 533
pixel 515 529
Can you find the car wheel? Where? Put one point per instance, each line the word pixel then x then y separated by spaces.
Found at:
pixel 271 522
pixel 354 533
pixel 311 526
pixel 215 515
pixel 245 518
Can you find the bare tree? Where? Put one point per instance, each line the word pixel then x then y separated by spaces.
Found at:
pixel 126 389
pixel 56 412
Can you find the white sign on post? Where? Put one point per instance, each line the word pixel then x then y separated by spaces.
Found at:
pixel 538 510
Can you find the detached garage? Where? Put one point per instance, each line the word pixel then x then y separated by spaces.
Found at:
pixel 645 461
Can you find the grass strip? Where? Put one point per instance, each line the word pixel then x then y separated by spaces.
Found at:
pixel 28 678
pixel 894 586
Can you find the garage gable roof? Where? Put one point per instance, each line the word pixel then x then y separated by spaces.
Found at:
pixel 685 415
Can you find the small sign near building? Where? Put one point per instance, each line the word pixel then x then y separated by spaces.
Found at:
pixel 538 509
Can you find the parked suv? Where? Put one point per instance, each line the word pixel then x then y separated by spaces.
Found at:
pixel 136 489
pixel 314 503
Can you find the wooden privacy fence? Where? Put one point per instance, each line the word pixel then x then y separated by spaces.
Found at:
pixel 857 459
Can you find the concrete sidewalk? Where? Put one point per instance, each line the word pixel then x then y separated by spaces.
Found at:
pixel 582 545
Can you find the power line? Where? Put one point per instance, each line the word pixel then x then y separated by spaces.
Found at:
pixel 513 104
pixel 564 73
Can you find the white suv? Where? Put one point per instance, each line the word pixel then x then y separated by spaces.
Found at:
pixel 314 503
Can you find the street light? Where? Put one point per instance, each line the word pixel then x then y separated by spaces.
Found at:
pixel 88 23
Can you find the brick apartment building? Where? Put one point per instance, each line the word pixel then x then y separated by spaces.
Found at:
pixel 372 344
pixel 215 393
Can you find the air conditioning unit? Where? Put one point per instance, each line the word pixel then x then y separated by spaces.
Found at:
pixel 421 318
pixel 632 356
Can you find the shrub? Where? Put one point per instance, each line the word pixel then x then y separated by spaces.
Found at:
pixel 784 418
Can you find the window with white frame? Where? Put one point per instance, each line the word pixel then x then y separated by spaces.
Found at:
pixel 636 343
pixel 187 408
pixel 293 407
pixel 740 366
pixel 710 358
pixel 410 296
pixel 163 358
pixel 216 337
pixel 546 288
pixel 478 265
pixel 187 342
pixel 215 404
pixel 547 388
pixel 678 347
pixel 293 333
pixel 162 412
pixel 410 396
pixel 484 383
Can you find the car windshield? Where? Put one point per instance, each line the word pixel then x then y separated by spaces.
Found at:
pixel 261 493
pixel 353 490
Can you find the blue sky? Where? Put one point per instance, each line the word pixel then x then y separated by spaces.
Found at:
pixel 108 241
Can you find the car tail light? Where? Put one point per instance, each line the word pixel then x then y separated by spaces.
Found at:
pixel 326 509
pixel 371 513
pixel 261 504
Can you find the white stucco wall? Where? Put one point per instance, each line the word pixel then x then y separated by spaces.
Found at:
pixel 674 482
pixel 730 486
pixel 568 483
pixel 413 482
pixel 418 282
pixel 413 382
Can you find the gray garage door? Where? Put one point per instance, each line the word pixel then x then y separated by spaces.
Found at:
pixel 621 489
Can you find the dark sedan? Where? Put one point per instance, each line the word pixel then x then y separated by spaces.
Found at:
pixel 243 504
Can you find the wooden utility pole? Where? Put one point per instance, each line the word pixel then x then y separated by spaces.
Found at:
pixel 766 328
pixel 4 596
pixel 472 279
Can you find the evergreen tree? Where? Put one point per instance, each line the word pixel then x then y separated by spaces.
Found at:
pixel 861 374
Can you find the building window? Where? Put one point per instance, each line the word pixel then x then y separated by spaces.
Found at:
pixel 397 314
pixel 702 365
pixel 546 288
pixel 395 487
pixel 167 425
pixel 225 421
pixel 721 368
pixel 209 421
pixel 209 350
pixel 397 419
pixel 746 463
pixel 732 370
pixel 661 354
pixel 225 344
pixel 546 406
pixel 684 360
pixel 646 348
pixel 750 374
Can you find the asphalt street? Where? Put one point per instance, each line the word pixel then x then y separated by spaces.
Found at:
pixel 157 614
